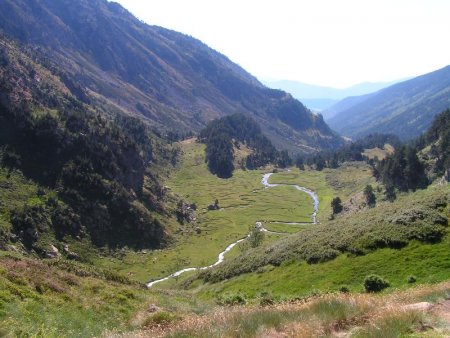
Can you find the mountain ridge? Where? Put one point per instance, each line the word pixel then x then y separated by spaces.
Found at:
pixel 406 108
pixel 168 79
pixel 320 98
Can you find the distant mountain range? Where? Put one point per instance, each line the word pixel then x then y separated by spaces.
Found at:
pixel 406 109
pixel 319 98
pixel 170 80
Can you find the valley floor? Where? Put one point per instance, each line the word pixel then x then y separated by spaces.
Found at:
pixel 107 297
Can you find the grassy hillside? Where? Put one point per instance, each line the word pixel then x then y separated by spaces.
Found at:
pixel 95 173
pixel 422 217
pixel 58 298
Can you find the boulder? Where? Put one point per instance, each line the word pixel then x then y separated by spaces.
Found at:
pixel 52 252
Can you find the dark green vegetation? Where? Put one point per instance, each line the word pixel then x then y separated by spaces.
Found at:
pixel 336 205
pixel 89 167
pixel 374 283
pixel 222 135
pixel 168 79
pixel 406 109
pixel 414 165
pixel 353 151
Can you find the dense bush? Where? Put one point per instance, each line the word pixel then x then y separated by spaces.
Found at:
pixel 374 283
pixel 231 299
pixel 30 222
pixel 336 205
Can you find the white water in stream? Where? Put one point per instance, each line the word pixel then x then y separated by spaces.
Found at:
pixel 221 258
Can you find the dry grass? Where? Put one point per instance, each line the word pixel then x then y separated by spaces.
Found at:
pixel 333 315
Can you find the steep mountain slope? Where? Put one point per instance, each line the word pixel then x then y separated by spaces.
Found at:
pixel 172 80
pixel 405 109
pixel 88 172
pixel 344 105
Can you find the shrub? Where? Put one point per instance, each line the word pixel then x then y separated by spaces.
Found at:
pixel 232 299
pixel 412 279
pixel 256 237
pixel 266 299
pixel 344 289
pixel 369 196
pixel 336 205
pixel 374 283
pixel 161 318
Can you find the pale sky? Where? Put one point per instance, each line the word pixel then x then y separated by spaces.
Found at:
pixel 335 43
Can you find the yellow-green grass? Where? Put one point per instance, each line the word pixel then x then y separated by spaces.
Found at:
pixel 378 152
pixel 243 201
pixel 344 182
pixel 55 299
pixel 429 263
pixel 287 228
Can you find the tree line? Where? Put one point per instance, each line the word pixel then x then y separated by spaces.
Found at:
pixel 221 136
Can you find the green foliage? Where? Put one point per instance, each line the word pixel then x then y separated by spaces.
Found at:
pixel 416 217
pixel 220 135
pixel 438 135
pixel 44 299
pixel 255 237
pixel 336 205
pixel 353 151
pixel 402 170
pixel 369 196
pixel 219 155
pixel 374 283
pixel 266 299
pixel 231 299
pixel 30 222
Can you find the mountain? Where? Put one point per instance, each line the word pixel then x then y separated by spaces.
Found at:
pixel 406 109
pixel 170 80
pixel 320 98
pixel 343 105
pixel 72 171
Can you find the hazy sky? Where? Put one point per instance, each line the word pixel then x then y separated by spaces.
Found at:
pixel 327 42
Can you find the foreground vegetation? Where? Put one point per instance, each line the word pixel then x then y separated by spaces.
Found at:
pixel 416 312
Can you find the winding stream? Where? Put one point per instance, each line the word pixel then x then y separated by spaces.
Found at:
pixel 221 258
